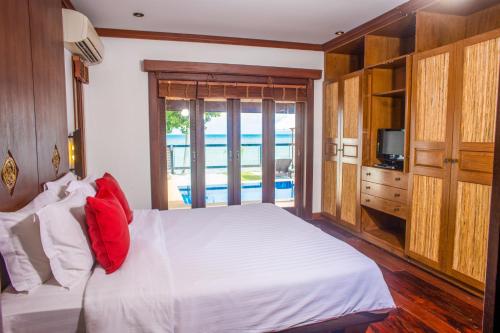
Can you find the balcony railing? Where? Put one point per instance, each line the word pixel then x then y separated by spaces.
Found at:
pixel 179 156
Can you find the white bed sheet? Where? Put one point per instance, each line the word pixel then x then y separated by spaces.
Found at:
pixel 48 308
pixel 258 268
pixel 254 268
pixel 138 296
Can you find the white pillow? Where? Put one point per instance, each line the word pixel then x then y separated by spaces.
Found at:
pixel 21 246
pixel 87 184
pixel 64 238
pixel 60 184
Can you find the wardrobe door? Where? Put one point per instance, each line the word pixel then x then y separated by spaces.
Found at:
pixel 350 160
pixel 331 146
pixel 17 118
pixel 430 147
pixel 474 135
pixel 49 88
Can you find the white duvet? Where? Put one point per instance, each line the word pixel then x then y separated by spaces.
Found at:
pixel 254 268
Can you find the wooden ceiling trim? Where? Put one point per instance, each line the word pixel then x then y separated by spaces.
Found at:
pixel 215 68
pixel 379 22
pixel 67 4
pixel 181 37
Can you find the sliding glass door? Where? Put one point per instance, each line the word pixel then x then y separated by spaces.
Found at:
pixel 231 151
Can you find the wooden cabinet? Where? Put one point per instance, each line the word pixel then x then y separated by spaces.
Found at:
pixel 32 97
pixel 452 138
pixel 342 150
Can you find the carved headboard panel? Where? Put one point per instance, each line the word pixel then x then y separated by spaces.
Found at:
pixel 33 124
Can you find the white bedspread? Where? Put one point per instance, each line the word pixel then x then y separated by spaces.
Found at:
pixel 138 296
pixel 254 268
pixel 258 268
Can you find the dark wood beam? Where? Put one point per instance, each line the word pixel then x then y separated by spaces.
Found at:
pixel 67 4
pixel 180 37
pixel 215 68
pixel 377 23
pixel 491 301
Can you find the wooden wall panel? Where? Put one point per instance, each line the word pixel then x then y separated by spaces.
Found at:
pixel 432 98
pixel 435 29
pixel 17 118
pixel 351 107
pixel 471 229
pixel 331 110
pixel 426 218
pixel 349 202
pixel 479 96
pixel 49 87
pixel 330 188
pixel 483 21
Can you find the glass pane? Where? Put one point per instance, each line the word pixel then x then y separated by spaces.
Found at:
pixel 178 154
pixel 251 151
pixel 216 168
pixel 284 127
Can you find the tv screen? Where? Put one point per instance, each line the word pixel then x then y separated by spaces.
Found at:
pixel 391 142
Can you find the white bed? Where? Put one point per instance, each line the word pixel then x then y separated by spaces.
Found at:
pixel 49 308
pixel 253 268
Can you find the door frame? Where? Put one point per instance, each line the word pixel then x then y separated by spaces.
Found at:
pixel 179 70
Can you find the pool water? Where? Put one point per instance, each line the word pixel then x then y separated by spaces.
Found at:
pixel 284 190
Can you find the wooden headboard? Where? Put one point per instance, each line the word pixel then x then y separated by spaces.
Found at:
pixel 33 121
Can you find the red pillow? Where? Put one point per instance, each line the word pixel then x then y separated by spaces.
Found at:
pixel 108 230
pixel 109 183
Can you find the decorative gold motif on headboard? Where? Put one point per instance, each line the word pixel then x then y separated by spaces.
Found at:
pixel 56 159
pixel 10 172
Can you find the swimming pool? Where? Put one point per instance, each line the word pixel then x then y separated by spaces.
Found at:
pixel 284 190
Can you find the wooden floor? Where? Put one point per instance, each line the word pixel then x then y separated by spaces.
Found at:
pixel 425 303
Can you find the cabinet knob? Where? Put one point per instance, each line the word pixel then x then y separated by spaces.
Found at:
pixel 367 200
pixel 397 195
pixel 397 179
pixel 396 209
pixel 368 187
pixel 368 174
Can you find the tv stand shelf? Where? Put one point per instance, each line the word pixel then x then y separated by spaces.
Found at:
pixel 384 207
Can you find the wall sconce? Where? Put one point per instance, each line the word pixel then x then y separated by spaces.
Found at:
pixel 71 152
pixel 74 153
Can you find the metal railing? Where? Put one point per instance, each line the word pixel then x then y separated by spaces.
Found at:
pixel 182 160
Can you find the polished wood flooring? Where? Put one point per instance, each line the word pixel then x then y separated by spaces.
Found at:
pixel 425 302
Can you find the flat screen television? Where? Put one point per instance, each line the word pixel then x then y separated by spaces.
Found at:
pixel 390 148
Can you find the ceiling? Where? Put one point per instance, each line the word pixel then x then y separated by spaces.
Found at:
pixel 307 21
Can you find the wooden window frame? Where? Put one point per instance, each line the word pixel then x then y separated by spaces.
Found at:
pixel 178 70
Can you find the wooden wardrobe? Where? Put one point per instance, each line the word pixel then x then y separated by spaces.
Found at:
pixel 433 74
pixel 33 125
pixel 342 149
pixel 452 140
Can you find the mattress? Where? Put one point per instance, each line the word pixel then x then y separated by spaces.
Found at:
pixel 258 268
pixel 48 308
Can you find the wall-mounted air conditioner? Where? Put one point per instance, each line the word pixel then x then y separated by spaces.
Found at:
pixel 81 38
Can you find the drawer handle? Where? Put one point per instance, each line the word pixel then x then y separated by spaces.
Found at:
pixel 397 179
pixel 397 195
pixel 368 187
pixel 368 174
pixel 396 209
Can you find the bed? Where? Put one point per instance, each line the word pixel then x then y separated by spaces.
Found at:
pixel 252 268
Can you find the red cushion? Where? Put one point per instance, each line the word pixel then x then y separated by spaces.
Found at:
pixel 109 183
pixel 108 230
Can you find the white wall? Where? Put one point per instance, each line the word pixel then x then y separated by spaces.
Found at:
pixel 68 68
pixel 116 104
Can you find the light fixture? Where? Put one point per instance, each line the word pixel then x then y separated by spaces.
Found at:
pixel 138 14
pixel 184 112
pixel 71 152
pixel 339 33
